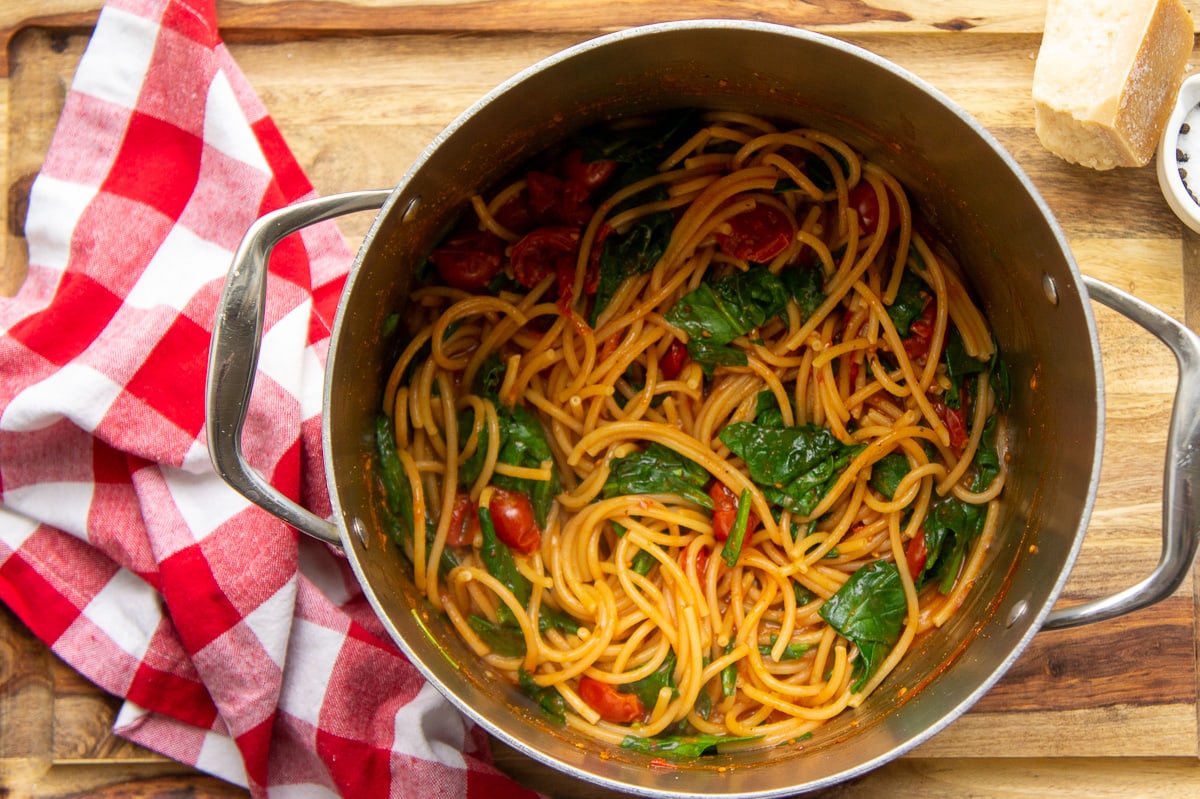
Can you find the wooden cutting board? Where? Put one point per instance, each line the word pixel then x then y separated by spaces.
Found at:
pixel 359 87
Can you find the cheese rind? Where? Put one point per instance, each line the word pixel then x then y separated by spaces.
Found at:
pixel 1106 76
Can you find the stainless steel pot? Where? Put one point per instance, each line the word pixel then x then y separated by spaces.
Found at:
pixel 1021 267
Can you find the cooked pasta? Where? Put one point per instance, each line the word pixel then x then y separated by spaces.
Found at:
pixel 700 429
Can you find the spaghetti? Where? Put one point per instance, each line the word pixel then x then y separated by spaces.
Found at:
pixel 695 429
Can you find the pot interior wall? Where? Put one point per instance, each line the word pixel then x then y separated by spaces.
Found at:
pixel 972 193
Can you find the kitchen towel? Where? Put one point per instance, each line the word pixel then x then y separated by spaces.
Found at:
pixel 238 646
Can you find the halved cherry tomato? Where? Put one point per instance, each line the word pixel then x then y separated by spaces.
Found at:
pixel 920 332
pixel 757 235
pixel 725 506
pixel 464 522
pixel 512 514
pixel 588 174
pixel 554 201
pixel 955 420
pixel 611 704
pixel 865 201
pixel 544 251
pixel 673 360
pixel 916 553
pixel 470 260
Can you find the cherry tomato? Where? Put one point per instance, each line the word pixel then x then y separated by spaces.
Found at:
pixel 544 251
pixel 673 360
pixel 554 201
pixel 588 174
pixel 920 332
pixel 955 420
pixel 865 201
pixel 611 704
pixel 464 522
pixel 512 513
pixel 725 506
pixel 916 554
pixel 470 260
pixel 757 235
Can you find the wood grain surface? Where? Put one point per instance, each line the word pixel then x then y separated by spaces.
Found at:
pixel 358 89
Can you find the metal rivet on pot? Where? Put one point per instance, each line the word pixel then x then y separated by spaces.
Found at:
pixel 360 530
pixel 1018 610
pixel 1050 288
pixel 411 208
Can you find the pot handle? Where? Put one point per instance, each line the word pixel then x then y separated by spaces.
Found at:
pixel 1181 475
pixel 233 353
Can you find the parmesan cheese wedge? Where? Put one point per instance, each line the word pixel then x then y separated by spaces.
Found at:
pixel 1106 76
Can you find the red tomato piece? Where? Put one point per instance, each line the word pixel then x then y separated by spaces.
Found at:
pixel 553 200
pixel 512 514
pixel 673 360
pixel 464 522
pixel 920 332
pixel 545 251
pixel 865 202
pixel 955 420
pixel 916 553
pixel 470 260
pixel 588 174
pixel 611 704
pixel 757 235
pixel 725 506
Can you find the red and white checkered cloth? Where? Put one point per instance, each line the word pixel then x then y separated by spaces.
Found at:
pixel 239 647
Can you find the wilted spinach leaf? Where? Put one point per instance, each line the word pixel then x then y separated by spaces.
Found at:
pixel 657 470
pixel 887 473
pixel 547 698
pixel 681 747
pixel 909 303
pixel 522 443
pixel 731 306
pixel 793 466
pixel 869 610
pixel 647 688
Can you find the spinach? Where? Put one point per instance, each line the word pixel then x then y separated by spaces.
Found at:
pixel 729 675
pixel 643 146
pixel 909 303
pixel 869 610
pixel 507 639
pixel 634 252
pixel 489 378
pixel 647 688
pixel 522 443
pixel 547 697
pixel 397 515
pixel 498 560
pixel 504 639
pixel 643 562
pixel 733 544
pixel 396 489
pixel 949 529
pixel 681 747
pixel 730 306
pixel 766 410
pixel 802 594
pixel 657 470
pixel 711 356
pixel 806 285
pixel 790 652
pixel 959 365
pixel 887 473
pixel 794 466
pixel 987 457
